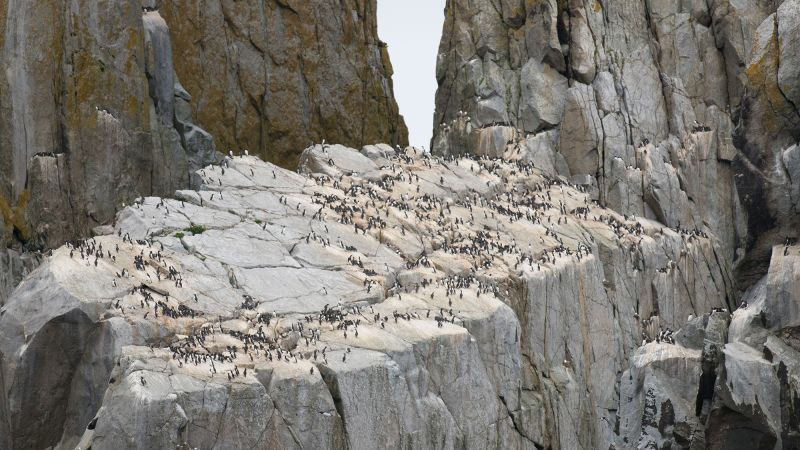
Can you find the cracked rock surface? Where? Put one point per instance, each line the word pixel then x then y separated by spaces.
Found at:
pixel 601 254
pixel 93 116
pixel 271 76
pixel 681 111
pixel 374 299
pixel 104 102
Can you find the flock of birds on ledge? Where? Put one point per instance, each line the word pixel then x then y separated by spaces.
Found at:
pixel 405 198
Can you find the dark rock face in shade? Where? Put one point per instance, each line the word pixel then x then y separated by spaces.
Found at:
pixel 273 76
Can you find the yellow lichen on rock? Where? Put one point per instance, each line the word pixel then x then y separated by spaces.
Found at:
pixel 762 75
pixel 14 217
pixel 285 74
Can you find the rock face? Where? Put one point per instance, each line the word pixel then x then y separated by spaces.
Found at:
pixel 681 112
pixel 91 117
pixel 14 267
pixel 272 76
pixel 376 299
pixel 94 112
pixel 600 254
pixel 748 372
pixel 770 132
pixel 657 104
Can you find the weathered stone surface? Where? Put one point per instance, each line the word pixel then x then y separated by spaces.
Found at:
pixel 663 195
pixel 541 96
pixel 780 308
pixel 583 49
pixel 335 160
pixel 726 382
pixel 567 324
pixel 581 134
pixel 494 141
pixel 540 150
pixel 95 114
pixel 535 326
pixel 609 78
pixel 689 119
pixel 693 333
pixel 735 24
pixel 768 130
pixel 788 20
pixel 272 76
pixel 89 117
pixel 13 268
pixel 606 93
pixel 657 398
pixel 755 395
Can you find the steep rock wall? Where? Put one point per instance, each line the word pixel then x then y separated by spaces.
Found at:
pixel 94 112
pixel 89 118
pixel 680 111
pixel 512 310
pixel 273 76
pixel 596 81
pixel 403 301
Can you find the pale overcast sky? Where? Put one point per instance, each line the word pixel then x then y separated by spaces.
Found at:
pixel 413 28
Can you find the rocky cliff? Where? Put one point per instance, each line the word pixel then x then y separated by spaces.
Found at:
pixel 601 253
pixel 272 76
pixel 383 299
pixel 93 116
pixel 594 82
pixel 680 112
pixel 94 112
pixel 379 299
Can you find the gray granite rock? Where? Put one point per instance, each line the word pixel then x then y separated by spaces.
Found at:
pixel 541 151
pixel 87 133
pixel 529 355
pixel 581 135
pixel 613 326
pixel 273 76
pixel 542 96
pixel 657 398
pixel 613 77
pixel 13 268
pixel 788 20
pixel 780 307
pixel 97 109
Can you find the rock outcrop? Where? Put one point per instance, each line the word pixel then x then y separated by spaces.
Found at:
pixel 272 76
pixel 95 115
pixel 601 253
pixel 682 112
pixel 376 299
pixel 746 367
pixel 14 266
pixel 770 130
pixel 657 104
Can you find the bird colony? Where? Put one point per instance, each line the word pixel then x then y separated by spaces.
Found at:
pixel 375 298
